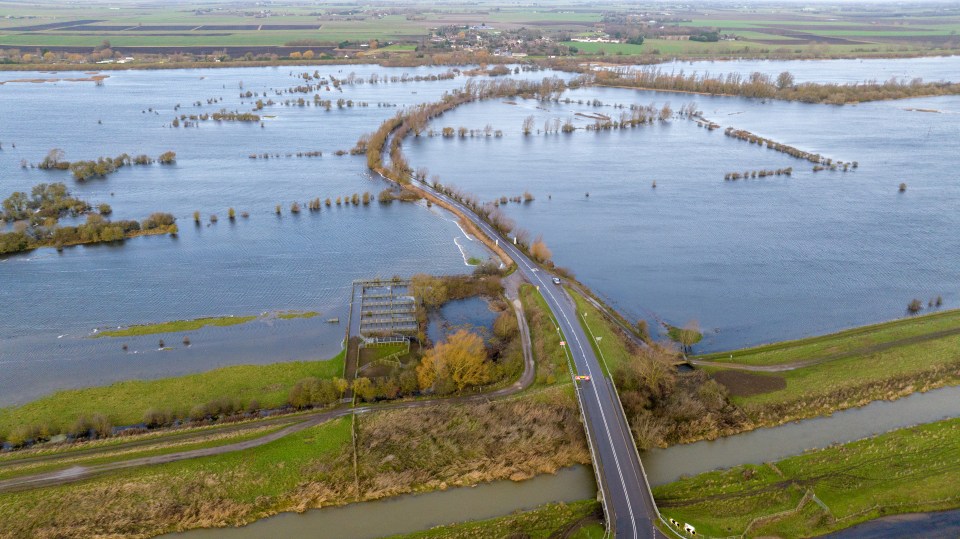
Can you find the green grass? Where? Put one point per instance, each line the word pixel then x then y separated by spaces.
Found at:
pixel 545 338
pixel 120 453
pixel 850 341
pixel 610 345
pixel 540 523
pixel 907 470
pixel 260 479
pixel 592 531
pixel 608 48
pixel 397 48
pixel 176 326
pixel 374 353
pixel 290 315
pixel 124 403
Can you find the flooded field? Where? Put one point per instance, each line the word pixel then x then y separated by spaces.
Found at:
pixel 755 260
pixel 642 216
pixel 305 262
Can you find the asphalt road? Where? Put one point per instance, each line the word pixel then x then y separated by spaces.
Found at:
pixel 629 502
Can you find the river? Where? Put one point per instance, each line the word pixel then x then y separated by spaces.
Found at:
pixel 410 513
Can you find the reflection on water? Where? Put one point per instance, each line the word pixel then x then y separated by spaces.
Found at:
pixel 409 513
pixel 946 68
pixel 939 525
pixel 248 266
pixel 454 315
pixel 772 444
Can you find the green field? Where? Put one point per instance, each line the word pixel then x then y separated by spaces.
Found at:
pixel 850 368
pixel 125 403
pixel 909 470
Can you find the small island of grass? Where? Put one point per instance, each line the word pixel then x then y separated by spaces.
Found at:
pixel 175 326
pixel 290 315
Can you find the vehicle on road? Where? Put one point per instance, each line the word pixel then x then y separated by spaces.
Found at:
pixel 582 378
pixel 556 280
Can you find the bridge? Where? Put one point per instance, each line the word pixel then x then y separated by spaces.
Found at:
pixel 627 500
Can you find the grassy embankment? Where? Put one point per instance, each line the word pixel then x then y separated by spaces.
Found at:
pixel 909 470
pixel 540 523
pixel 124 403
pixel 608 342
pixel 845 369
pixel 512 439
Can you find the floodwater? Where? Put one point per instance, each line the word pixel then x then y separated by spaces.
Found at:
pixel 470 313
pixel 753 261
pixel 53 301
pixel 410 513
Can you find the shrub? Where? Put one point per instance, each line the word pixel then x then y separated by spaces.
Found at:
pixel 167 158
pixel 914 306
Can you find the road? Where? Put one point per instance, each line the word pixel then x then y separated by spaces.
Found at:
pixel 628 501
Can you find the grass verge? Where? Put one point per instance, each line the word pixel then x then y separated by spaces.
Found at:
pixel 851 342
pixel 908 470
pixel 544 338
pixel 606 336
pixel 160 447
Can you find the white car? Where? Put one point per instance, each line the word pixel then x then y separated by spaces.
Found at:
pixel 556 280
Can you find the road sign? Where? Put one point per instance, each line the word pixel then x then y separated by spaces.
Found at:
pixel 563 343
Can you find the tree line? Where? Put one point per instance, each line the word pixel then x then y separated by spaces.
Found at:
pixel 818 160
pixel 101 167
pixel 782 87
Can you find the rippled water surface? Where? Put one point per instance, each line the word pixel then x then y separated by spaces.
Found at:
pixel 945 68
pixel 52 301
pixel 754 261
